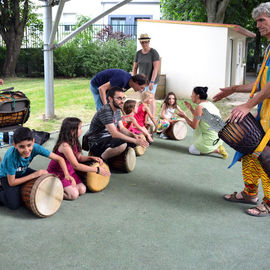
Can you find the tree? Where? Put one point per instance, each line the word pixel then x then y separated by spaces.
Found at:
pixel 215 10
pixel 195 10
pixel 13 18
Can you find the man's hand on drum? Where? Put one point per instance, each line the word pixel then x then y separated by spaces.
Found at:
pixel 97 159
pixel 239 112
pixel 38 173
pixel 104 172
pixel 225 92
pixel 142 142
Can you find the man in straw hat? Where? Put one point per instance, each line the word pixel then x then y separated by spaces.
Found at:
pixel 251 168
pixel 147 61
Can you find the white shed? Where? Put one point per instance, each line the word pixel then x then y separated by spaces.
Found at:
pixel 198 54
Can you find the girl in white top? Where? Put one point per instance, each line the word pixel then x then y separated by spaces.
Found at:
pixel 169 111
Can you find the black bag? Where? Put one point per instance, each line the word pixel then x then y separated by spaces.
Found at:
pixel 40 136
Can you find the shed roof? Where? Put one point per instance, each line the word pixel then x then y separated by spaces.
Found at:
pixel 235 27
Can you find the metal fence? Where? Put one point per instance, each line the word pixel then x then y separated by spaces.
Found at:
pixel 33 34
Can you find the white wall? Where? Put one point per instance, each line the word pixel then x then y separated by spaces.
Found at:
pixel 192 55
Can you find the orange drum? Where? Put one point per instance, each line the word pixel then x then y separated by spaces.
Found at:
pixel 177 130
pixel 97 182
pixel 125 162
pixel 43 195
pixel 139 150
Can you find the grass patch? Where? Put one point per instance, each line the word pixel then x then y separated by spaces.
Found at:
pixel 72 97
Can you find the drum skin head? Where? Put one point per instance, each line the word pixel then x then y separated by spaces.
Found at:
pixel 180 130
pixel 48 196
pixel 130 159
pixel 97 182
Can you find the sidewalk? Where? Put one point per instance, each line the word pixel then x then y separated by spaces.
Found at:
pixel 168 214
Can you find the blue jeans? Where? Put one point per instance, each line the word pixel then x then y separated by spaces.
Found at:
pixel 153 91
pixel 11 196
pixel 96 96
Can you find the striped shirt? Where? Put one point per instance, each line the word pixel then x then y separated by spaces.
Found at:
pixel 102 118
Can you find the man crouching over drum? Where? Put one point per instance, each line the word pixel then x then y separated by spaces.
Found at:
pixel 107 137
pixel 14 168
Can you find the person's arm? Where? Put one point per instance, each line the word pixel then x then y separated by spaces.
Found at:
pixel 147 109
pixel 82 158
pixel 102 91
pixel 189 106
pixel 156 65
pixel 13 181
pixel 163 111
pixel 194 122
pixel 135 68
pixel 63 166
pixel 227 91
pixel 239 112
pixel 118 134
pixel 69 154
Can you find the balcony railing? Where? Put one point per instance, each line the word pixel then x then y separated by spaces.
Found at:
pixel 33 35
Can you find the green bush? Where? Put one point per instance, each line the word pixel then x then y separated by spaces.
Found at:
pixel 74 60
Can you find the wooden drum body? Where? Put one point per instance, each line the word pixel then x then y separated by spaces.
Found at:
pixel 43 195
pixel 177 130
pixel 97 182
pixel 125 162
pixel 242 136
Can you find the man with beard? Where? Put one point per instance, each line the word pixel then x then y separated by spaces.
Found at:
pixel 107 137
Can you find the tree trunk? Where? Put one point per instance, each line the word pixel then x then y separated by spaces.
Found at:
pixel 216 10
pixel 13 45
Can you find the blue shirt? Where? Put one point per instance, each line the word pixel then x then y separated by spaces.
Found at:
pixel 116 77
pixel 14 164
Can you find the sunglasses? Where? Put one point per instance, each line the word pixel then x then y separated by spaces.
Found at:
pixel 144 42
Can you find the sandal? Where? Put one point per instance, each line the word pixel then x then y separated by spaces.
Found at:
pixel 246 198
pixel 262 210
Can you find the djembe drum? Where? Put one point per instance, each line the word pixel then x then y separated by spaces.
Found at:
pixel 124 162
pixel 14 107
pixel 243 136
pixel 95 182
pixel 43 195
pixel 177 130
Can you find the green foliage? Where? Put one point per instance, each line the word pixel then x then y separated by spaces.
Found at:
pixel 183 10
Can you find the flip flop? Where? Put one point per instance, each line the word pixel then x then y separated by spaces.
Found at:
pixel 246 199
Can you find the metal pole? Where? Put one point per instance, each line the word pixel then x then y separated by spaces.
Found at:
pixel 87 24
pixel 48 63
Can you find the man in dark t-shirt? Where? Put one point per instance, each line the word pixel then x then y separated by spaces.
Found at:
pixel 107 137
pixel 108 78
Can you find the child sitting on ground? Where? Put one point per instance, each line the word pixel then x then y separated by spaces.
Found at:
pixel 129 121
pixel 14 169
pixel 169 111
pixel 144 112
pixel 69 147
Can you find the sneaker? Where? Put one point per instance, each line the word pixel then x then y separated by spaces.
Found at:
pixel 223 151
pixel 163 136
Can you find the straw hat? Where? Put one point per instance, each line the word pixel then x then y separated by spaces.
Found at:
pixel 144 37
